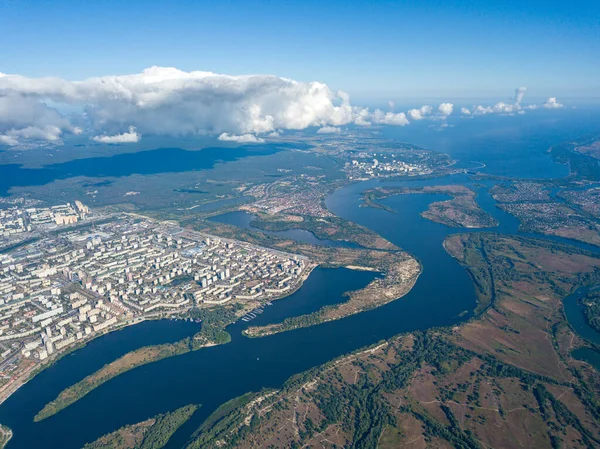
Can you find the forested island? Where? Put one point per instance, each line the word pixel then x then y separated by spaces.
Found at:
pixel 154 433
pixel 460 211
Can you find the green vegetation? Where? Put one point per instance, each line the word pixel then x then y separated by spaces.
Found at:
pixel 591 308
pixel 211 333
pixel 151 434
pixel 226 416
pixel 214 320
pixel 324 228
pixel 460 211
pixel 560 417
pixel 582 167
pixel 503 379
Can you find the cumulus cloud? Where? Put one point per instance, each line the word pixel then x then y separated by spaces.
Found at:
pixel 421 113
pixel 502 107
pixel 446 109
pixel 243 138
pixel 129 137
pixel 512 108
pixel 551 103
pixel 389 118
pixel 329 130
pixel 22 117
pixel 168 101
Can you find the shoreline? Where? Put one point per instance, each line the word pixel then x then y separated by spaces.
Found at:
pixel 6 392
pixel 205 344
pixel 381 293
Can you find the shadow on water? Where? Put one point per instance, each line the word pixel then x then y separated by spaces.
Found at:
pixel 163 160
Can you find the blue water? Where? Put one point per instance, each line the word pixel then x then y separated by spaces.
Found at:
pixel 164 160
pixel 576 317
pixel 243 219
pixel 443 295
pixel 322 290
pixel 514 146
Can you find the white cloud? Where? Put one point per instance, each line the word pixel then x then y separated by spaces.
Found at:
pixel 480 110
pixel 551 103
pixel 329 130
pixel 500 107
pixel 421 113
pixel 27 118
pixel 8 140
pixel 129 137
pixel 389 118
pixel 391 105
pixel 519 94
pixel 168 101
pixel 446 109
pixel 243 138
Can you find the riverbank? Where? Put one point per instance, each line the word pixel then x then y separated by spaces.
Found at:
pixel 460 211
pixel 12 386
pixel 399 278
pixel 5 436
pixel 214 321
pixel 508 371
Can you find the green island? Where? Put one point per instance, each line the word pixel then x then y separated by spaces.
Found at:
pixel 505 378
pixel 460 211
pixel 323 228
pixel 591 308
pixel 153 433
pixel 211 333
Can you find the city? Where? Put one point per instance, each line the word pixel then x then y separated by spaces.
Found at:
pixel 68 287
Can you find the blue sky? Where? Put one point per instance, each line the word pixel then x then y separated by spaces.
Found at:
pixel 371 49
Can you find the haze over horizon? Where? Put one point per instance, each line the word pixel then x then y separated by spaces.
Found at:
pixel 249 71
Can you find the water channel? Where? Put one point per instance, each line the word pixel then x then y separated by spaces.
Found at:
pixel 443 296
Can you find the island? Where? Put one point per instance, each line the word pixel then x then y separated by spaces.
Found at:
pixel 153 433
pixel 461 211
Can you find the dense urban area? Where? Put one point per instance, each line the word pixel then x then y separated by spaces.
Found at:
pixel 74 283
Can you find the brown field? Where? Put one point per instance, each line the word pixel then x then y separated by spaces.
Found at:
pixel 477 385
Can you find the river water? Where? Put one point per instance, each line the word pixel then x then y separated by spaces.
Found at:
pixel 443 296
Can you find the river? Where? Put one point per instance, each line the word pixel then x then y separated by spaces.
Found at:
pixel 443 296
